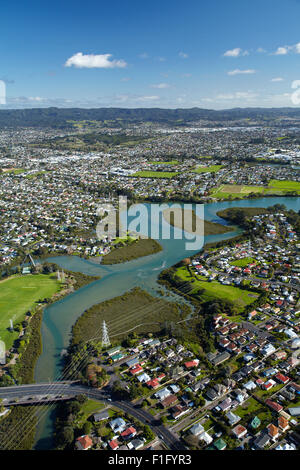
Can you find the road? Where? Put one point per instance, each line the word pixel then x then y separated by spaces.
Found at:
pixel 48 392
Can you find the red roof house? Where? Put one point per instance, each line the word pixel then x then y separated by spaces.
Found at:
pixel 84 442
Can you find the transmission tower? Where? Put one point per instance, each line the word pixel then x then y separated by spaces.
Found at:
pixel 105 337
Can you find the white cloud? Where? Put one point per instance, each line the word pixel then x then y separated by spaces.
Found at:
pixel 238 95
pixel 148 98
pixel 277 79
pixel 144 55
pixel 261 50
pixel 35 98
pixel 239 72
pixel 235 52
pixel 160 85
pixel 282 50
pixel 183 55
pixel 102 61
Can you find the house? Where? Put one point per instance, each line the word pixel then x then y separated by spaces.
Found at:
pixel 255 423
pixel 204 436
pixel 132 362
pixel 232 418
pixel 114 444
pixel 153 383
pixel 262 441
pixel 129 433
pixel 240 395
pixel 135 444
pixel 295 388
pixel 174 388
pixel 250 385
pixel 101 416
pixel 280 355
pixel 162 394
pixel 283 423
pixel 239 431
pixel 252 314
pixel 274 405
pixel 113 351
pixel 190 364
pixel 170 400
pixel 143 377
pixel 286 446
pixel 118 425
pixel 282 378
pixel 273 431
pixel 269 372
pixel 268 349
pixel 177 411
pixel 196 429
pixel 225 404
pixel 83 442
pixel 220 358
pixel 294 411
pixel 220 444
pixel 268 385
pixel 136 369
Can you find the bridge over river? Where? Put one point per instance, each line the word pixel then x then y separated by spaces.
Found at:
pixel 45 393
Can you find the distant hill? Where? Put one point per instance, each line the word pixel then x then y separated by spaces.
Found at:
pixel 59 117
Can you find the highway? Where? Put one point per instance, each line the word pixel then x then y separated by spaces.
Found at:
pixel 48 392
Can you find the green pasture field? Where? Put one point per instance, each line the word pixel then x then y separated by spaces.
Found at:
pixel 18 295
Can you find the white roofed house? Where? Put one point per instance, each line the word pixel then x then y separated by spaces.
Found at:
pixel 143 377
pixel 196 429
pixel 162 394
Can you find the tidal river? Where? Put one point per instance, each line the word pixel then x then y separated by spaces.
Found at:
pixel 115 280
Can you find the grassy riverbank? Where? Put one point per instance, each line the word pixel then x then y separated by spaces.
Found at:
pixel 192 223
pixel 136 249
pixel 133 311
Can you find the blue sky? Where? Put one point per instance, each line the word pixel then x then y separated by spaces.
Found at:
pixel 171 54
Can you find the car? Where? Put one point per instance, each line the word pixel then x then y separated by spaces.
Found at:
pixel 160 437
pixel 109 399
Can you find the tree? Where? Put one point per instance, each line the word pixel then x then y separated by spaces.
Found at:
pixel 66 436
pixel 87 427
pixel 149 435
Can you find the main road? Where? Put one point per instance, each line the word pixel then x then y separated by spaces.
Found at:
pixel 57 391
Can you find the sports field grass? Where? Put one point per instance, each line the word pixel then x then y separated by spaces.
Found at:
pixel 242 262
pixel 235 190
pixel 18 295
pixel 285 185
pixel 155 174
pixel 172 162
pixel 208 169
pixel 239 191
pixel 215 290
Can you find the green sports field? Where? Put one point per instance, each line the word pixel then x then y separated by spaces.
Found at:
pixel 20 294
pixel 171 162
pixel 242 262
pixel 208 169
pixel 285 185
pixel 156 174
pixel 240 191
